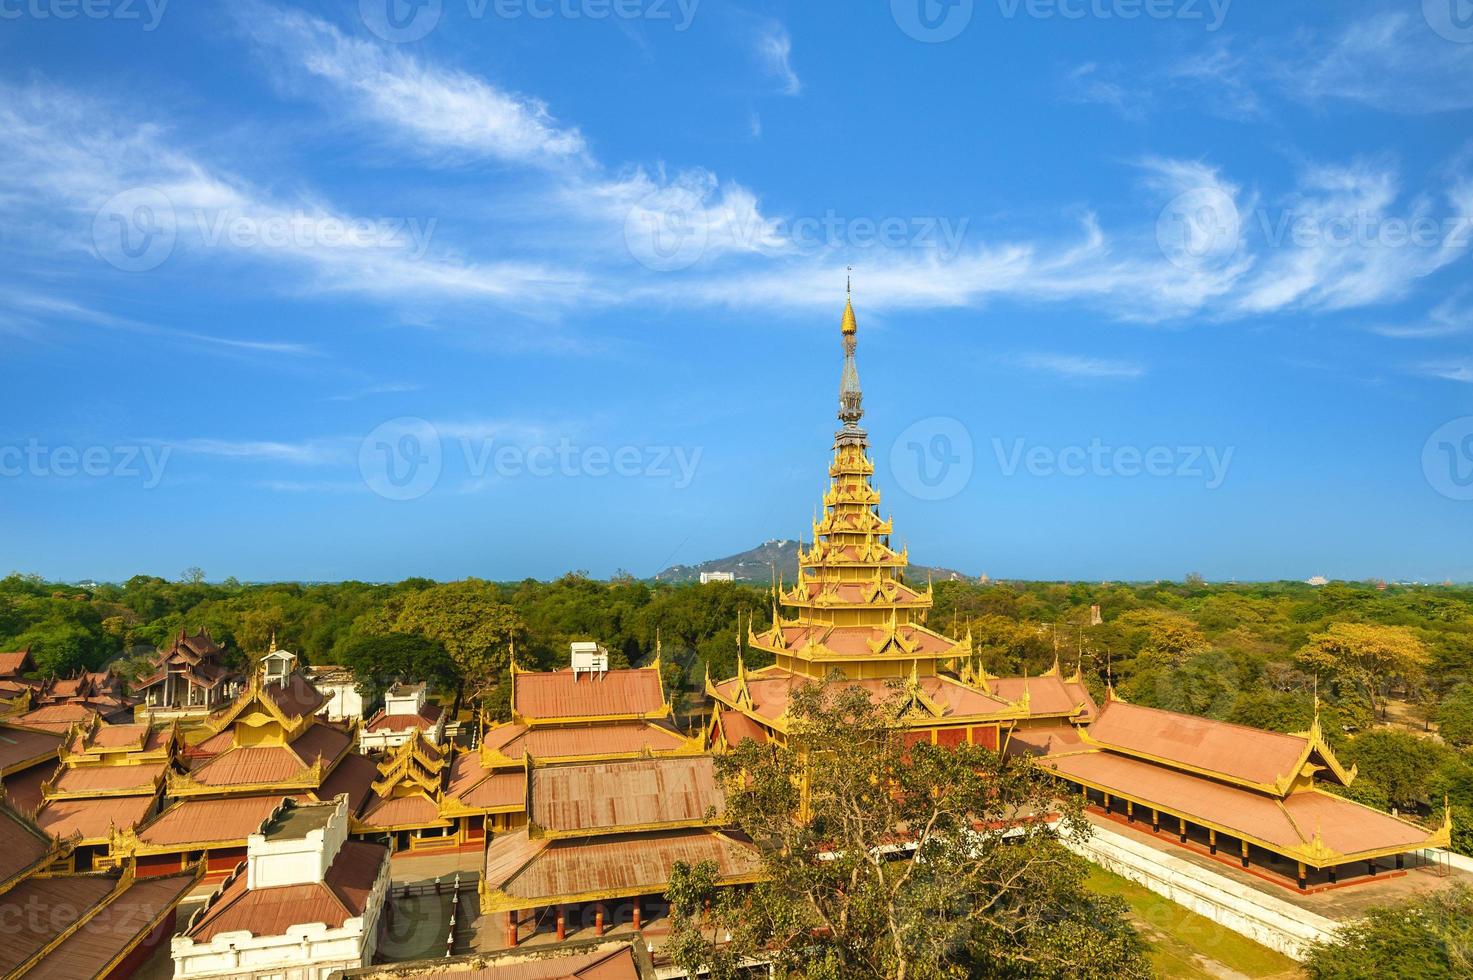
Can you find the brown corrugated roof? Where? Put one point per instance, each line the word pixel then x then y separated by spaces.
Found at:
pixel 21 746
pixel 271 911
pixel 321 741
pixel 1044 741
pixel 297 697
pixel 13 663
pixel 614 738
pixel 771 687
pixel 24 787
pixel 202 821
pixel 625 793
pixel 424 720
pixel 478 787
pixel 355 775
pixel 1047 695
pixel 1235 751
pixel 616 965
pixel 557 694
pixel 736 727
pixel 93 818
pixel 106 779
pixel 118 925
pixel 248 765
pixel 1347 827
pixel 29 934
pixel 405 811
pixel 22 844
pixel 624 864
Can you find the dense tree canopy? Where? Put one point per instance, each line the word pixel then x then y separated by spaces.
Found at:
pixel 889 861
pixel 1426 938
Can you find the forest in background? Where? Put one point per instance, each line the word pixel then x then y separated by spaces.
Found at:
pixel 1388 668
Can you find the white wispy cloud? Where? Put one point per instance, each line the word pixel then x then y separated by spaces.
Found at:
pixel 426 108
pixel 1453 315
pixel 1460 371
pixel 308 452
pixel 1075 366
pixel 774 47
pixel 382 388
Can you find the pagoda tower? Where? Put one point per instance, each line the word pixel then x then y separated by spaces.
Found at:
pixel 851 614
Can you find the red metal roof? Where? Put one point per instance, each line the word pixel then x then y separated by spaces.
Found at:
pixel 12 664
pixel 106 779
pixel 203 821
pixel 22 844
pixel 557 694
pixel 271 911
pixel 1235 751
pixel 481 788
pixel 93 818
pixel 406 811
pixel 21 746
pixel 623 864
pixel 625 793
pixel 29 934
pixel 614 738
pixel 355 775
pixel 618 964
pixel 105 935
pixel 250 765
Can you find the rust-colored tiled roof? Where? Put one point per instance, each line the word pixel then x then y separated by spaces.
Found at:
pixel 625 793
pixel 1235 751
pixel 271 911
pixel 201 821
pixel 772 686
pixel 105 935
pixel 424 719
pixel 13 663
pixel 24 787
pixel 321 741
pixel 355 776
pixel 736 726
pixel 1052 740
pixel 250 765
pixel 614 738
pixel 107 779
pixel 406 811
pixel 1047 695
pixel 485 789
pixel 27 935
pixel 297 697
pixel 60 717
pixel 557 694
pixel 624 864
pixel 20 746
pixel 1347 827
pixel 22 844
pixel 92 819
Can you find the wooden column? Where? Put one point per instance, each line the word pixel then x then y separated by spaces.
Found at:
pixel 1129 811
pixel 1333 873
pixel 511 930
pixel 634 918
pixel 1155 820
pixel 562 923
pixel 1183 828
pixel 1211 841
pixel 1107 801
pixel 1245 854
pixel 1303 876
pixel 598 918
pixel 1400 861
pixel 1371 867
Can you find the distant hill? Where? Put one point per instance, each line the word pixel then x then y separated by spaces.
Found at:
pixel 756 564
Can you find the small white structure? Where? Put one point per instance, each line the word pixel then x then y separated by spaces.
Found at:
pixel 340 688
pixel 299 864
pixel 277 665
pixel 1316 580
pixel 708 577
pixel 589 658
pixel 405 711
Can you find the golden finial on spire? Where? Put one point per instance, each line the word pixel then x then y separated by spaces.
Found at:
pixel 850 326
pixel 273 644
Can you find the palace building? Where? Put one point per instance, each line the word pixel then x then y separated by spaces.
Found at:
pixel 189 680
pixel 1247 796
pixel 266 745
pixel 58 927
pixel 851 612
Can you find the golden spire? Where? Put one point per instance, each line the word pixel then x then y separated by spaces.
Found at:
pixel 849 327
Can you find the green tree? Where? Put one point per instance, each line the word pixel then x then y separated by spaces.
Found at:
pixel 1455 717
pixel 1423 938
pixel 1399 763
pixel 1366 655
pixel 882 860
pixel 469 621
pixel 377 661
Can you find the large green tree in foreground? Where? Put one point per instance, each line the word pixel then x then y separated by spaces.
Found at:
pixel 1427 938
pixel 896 862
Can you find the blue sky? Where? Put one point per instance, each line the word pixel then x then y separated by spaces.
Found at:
pixel 371 290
